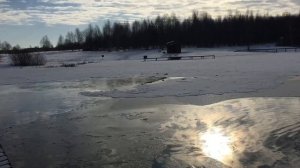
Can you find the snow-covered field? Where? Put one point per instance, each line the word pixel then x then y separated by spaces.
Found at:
pixel 121 111
pixel 229 72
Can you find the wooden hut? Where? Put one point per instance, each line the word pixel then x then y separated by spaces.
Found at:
pixel 173 47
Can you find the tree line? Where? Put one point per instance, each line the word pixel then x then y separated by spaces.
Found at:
pixel 45 45
pixel 200 30
pixel 6 46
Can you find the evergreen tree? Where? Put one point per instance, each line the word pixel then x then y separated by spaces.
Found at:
pixel 60 42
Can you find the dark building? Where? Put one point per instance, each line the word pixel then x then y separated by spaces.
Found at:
pixel 173 47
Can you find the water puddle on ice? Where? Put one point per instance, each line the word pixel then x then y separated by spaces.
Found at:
pixel 97 87
pixel 254 132
pixel 101 84
pixel 248 132
pixel 31 101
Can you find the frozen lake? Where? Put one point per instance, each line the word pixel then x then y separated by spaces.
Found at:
pixel 240 110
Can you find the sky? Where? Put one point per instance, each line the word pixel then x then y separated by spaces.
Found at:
pixel 25 22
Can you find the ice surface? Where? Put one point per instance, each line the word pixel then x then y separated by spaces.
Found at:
pixel 254 131
pixel 230 72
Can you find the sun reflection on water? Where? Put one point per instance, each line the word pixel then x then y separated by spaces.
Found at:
pixel 216 145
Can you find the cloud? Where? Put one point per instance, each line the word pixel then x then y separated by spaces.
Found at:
pixel 12 17
pixel 77 12
pixel 296 2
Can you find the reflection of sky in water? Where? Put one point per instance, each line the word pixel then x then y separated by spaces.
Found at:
pixel 216 145
pixel 253 132
pixel 32 101
pixel 243 132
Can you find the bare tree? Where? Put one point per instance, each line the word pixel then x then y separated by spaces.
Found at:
pixel 16 47
pixel 45 43
pixel 79 36
pixel 6 46
pixel 70 38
